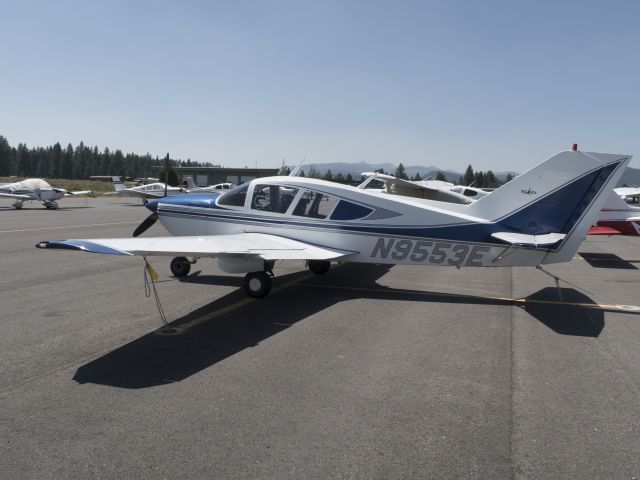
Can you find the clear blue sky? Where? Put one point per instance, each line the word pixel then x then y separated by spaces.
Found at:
pixel 498 84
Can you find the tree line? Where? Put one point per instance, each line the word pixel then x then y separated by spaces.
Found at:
pixel 80 162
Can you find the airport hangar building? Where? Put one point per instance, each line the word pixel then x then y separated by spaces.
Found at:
pixel 204 176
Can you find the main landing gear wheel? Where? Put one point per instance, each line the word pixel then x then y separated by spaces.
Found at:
pixel 257 284
pixel 180 266
pixel 319 267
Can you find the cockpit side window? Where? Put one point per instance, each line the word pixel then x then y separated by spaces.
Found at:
pixel 315 205
pixel 234 197
pixel 469 193
pixel 272 198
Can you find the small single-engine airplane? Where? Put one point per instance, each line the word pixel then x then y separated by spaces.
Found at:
pixel 146 192
pixel 629 194
pixel 538 218
pixel 190 186
pixel 617 217
pixel 35 189
pixel 427 189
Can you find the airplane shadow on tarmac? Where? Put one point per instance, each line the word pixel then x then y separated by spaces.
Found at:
pixel 157 359
pixel 608 260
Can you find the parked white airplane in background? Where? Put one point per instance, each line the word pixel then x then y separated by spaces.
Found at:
pixel 617 217
pixel 191 186
pixel 146 192
pixel 628 194
pixel 540 217
pixel 35 189
pixel 428 189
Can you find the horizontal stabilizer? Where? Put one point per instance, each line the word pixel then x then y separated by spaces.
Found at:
pixel 525 240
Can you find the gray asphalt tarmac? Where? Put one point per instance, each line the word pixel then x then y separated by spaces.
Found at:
pixel 366 372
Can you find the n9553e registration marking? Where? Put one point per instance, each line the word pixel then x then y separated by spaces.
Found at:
pixel 424 251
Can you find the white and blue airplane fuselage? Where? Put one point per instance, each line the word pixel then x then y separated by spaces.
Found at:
pixel 540 217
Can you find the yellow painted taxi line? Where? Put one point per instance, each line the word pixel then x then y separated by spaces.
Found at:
pixel 506 300
pixel 183 327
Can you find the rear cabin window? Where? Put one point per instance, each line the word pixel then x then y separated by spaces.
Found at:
pixel 272 198
pixel 315 205
pixel 349 211
pixel 234 197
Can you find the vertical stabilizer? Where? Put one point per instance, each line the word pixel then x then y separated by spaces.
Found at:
pixel 562 195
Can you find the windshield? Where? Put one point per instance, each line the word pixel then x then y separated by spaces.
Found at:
pixel 234 197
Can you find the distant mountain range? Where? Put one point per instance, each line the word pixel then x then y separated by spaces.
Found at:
pixel 631 176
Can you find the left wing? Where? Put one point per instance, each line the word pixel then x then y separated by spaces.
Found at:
pixel 431 190
pixel 141 194
pixel 81 192
pixel 17 195
pixel 267 247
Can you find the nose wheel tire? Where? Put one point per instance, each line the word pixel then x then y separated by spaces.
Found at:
pixel 257 284
pixel 319 267
pixel 180 267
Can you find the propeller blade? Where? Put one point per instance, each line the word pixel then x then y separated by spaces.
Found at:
pixel 146 224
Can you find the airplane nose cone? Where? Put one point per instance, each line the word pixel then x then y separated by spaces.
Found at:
pixel 152 205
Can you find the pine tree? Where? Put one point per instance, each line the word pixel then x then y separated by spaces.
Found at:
pixel 401 172
pixel 23 161
pixel 54 159
pixel 491 180
pixel 66 162
pixel 468 177
pixel 5 157
pixel 440 176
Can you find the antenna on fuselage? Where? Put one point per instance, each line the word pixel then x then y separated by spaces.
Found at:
pixel 295 171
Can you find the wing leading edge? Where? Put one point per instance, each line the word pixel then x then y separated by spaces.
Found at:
pixel 267 247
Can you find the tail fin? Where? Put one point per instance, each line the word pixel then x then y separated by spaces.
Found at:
pixel 117 183
pixel 562 195
pixel 190 183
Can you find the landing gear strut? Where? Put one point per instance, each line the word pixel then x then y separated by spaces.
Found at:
pixel 17 204
pixel 319 267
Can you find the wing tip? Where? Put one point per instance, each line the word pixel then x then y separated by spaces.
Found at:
pixel 82 245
